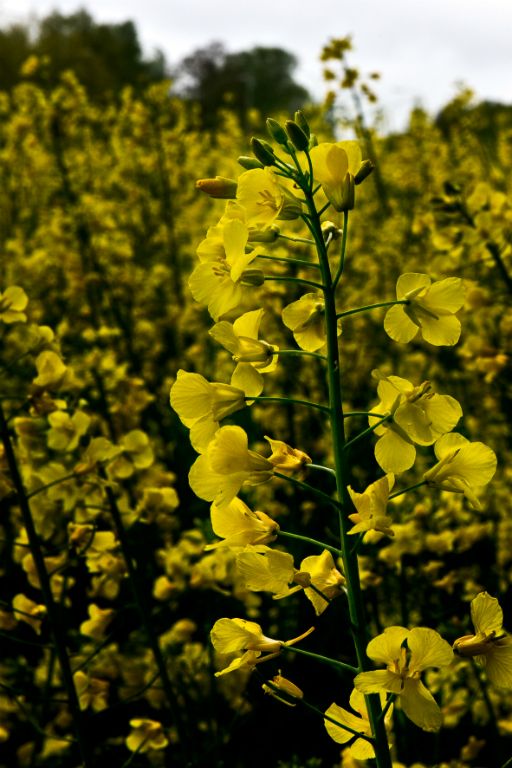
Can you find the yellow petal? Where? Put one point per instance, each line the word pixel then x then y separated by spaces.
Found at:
pixel 428 649
pixel 399 326
pixel 420 706
pixel 386 647
pixel 486 614
pixel 393 453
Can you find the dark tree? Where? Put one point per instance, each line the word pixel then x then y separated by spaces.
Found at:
pixel 105 57
pixel 261 79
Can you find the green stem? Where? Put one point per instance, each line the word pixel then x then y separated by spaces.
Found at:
pixel 59 480
pixel 322 659
pixel 406 490
pixel 309 488
pixel 285 278
pixel 363 413
pixel 350 562
pixel 299 353
pixel 322 468
pixel 297 240
pixel 344 236
pixel 371 306
pixel 292 400
pixel 309 540
pixel 285 260
pixel 54 616
pixel 366 431
pixel 391 698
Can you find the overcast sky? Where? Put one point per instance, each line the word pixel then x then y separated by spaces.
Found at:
pixel 422 48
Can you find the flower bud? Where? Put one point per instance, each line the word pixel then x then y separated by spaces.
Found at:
pixel 280 684
pixel 297 136
pixel 331 231
pixel 302 122
pixel 218 187
pixel 263 151
pixel 276 131
pixel 249 163
pixel 364 171
pixel 313 141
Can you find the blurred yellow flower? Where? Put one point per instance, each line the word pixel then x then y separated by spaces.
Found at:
pixel 490 646
pixel 12 303
pixel 146 735
pixel 431 308
pixel 407 653
pixel 463 467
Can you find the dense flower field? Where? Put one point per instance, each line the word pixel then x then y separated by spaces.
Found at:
pixel 330 343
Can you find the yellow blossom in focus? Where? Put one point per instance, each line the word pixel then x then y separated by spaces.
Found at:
pixel 253 357
pixel 305 318
pixel 284 686
pixel 360 749
pixel 371 507
pixel 219 279
pixel 201 405
pixel 12 303
pixel 407 653
pixel 418 415
pixel 286 459
pixel 261 195
pixel 334 167
pixel 146 735
pixel 219 473
pixel 463 467
pixel 238 525
pixel 490 646
pixel 267 570
pixel 231 636
pixel 430 309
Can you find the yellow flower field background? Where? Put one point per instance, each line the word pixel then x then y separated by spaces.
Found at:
pixel 101 229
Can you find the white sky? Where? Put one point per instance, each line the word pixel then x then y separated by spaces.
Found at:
pixel 423 48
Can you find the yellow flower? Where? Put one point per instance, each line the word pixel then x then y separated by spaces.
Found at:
pixel 201 405
pixel 253 357
pixel 285 686
pixel 136 453
pixel 230 636
pixel 66 430
pixel 491 646
pixel 305 318
pixel 463 467
pixel 96 625
pixel 360 749
pixel 219 473
pixel 407 653
pixel 371 507
pixel 219 279
pixel 12 303
pixel 431 308
pixel 419 415
pixel 50 369
pixel 238 525
pixel 267 570
pixel 146 735
pixel 91 691
pixel 261 195
pixel 334 167
pixel 286 459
